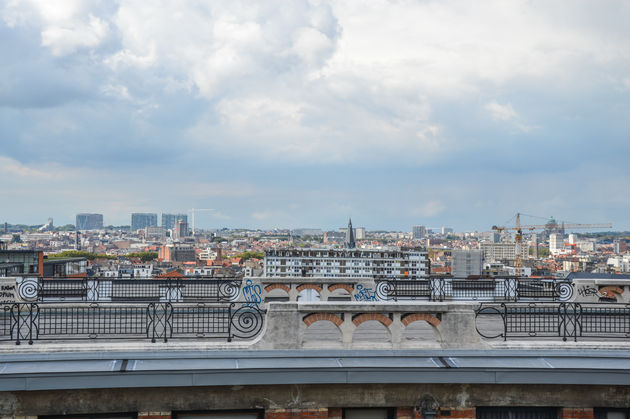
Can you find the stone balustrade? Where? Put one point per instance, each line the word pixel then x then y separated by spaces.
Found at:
pixel 328 289
pixel 384 325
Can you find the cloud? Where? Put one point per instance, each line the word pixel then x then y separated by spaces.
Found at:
pixel 327 104
pixel 11 167
pixel 501 112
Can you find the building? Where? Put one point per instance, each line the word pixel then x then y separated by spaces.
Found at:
pixel 176 253
pixel 21 262
pixel 419 232
pixel 86 221
pixel 169 220
pixel 446 231
pixel 359 233
pixel 180 230
pixel 155 232
pixel 141 220
pixel 466 263
pixel 285 370
pixel 497 252
pixel 65 267
pixel 556 243
pixel 348 263
pixel 620 246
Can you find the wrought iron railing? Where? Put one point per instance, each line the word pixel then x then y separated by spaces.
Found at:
pixel 498 289
pixel 544 320
pixel 155 321
pixel 131 290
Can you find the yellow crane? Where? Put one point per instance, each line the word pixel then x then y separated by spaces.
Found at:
pixel 552 224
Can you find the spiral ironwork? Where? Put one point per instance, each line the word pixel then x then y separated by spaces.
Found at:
pixel 491 311
pixel 383 290
pixel 246 322
pixel 27 289
pixel 564 291
pixel 229 290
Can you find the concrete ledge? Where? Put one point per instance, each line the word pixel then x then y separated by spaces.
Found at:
pixel 29 372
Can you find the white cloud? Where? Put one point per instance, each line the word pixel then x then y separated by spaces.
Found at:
pixel 501 112
pixel 11 168
pixel 66 25
pixel 63 40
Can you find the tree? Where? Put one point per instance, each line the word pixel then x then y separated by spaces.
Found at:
pixel 143 256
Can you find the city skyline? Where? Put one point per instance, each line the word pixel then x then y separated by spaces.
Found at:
pixel 395 113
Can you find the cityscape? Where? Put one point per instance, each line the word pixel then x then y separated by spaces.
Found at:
pixel 314 209
pixel 551 249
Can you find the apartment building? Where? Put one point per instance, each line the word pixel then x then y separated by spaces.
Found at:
pixel 466 263
pixel 348 263
pixel 502 251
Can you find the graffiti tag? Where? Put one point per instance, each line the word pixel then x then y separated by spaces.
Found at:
pixel 252 294
pixel 586 291
pixel 365 294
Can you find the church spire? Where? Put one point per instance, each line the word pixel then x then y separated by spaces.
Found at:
pixel 350 244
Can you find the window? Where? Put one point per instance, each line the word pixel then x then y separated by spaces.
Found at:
pixel 221 414
pixel 384 413
pixel 610 413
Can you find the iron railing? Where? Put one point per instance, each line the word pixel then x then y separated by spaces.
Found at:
pixel 498 289
pixel 543 320
pixel 131 290
pixel 155 321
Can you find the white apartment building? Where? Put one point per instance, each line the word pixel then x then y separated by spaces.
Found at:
pixel 466 262
pixel 556 244
pixel 496 252
pixel 347 263
pixel 620 263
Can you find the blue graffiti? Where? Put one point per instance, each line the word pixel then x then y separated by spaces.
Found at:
pixel 365 294
pixel 252 294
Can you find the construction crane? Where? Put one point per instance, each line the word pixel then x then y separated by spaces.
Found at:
pixel 193 210
pixel 551 225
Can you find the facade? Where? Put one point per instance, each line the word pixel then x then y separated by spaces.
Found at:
pixel 65 268
pixel 496 252
pixel 180 230
pixel 140 220
pixel 347 263
pixel 451 373
pixel 22 262
pixel 176 253
pixel 169 220
pixel 419 232
pixel 466 263
pixel 86 221
pixel 556 243
pixel 155 232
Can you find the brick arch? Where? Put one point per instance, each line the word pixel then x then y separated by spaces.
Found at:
pixel 309 287
pixel 414 317
pixel 272 287
pixel 316 317
pixel 347 287
pixel 362 318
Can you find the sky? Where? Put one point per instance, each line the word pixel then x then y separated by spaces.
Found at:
pixel 302 113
